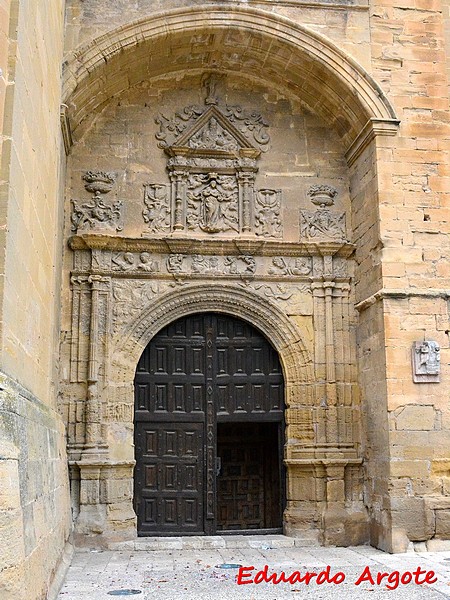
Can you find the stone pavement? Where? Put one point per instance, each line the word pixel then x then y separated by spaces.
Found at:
pixel 171 573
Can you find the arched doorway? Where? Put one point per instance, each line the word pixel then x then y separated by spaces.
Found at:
pixel 209 423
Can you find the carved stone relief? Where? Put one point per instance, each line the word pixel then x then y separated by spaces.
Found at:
pixel 295 266
pixel 212 164
pixel 129 261
pixel 212 203
pixel 242 265
pixel 130 297
pixel 157 208
pixel 426 359
pixel 97 214
pixel 268 213
pixel 322 223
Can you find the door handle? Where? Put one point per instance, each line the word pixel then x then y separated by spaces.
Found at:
pixel 218 465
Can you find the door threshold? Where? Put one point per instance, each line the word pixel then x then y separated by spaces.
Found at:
pixel 233 540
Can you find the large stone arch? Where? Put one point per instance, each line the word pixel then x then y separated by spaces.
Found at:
pixel 264 46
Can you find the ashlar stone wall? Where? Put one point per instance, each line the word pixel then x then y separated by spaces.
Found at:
pixel 34 494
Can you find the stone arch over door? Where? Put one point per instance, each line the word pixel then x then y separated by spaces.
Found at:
pixel 271 49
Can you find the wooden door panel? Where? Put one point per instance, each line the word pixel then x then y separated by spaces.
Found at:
pixel 196 372
pixel 169 477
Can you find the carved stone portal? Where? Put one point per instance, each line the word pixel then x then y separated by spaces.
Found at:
pixel 212 164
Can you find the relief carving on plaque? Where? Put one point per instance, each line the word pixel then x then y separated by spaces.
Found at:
pixel 97 213
pixel 130 298
pixel 323 223
pixel 242 265
pixel 212 160
pixel 268 213
pixel 157 209
pixel 426 360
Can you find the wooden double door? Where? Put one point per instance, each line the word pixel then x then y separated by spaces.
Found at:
pixel 208 429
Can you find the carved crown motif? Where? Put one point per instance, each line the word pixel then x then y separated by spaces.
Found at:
pixel 323 195
pixel 99 181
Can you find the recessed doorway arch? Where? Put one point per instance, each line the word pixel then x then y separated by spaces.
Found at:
pixel 208 429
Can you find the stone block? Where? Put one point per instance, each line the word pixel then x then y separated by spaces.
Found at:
pixel 416 418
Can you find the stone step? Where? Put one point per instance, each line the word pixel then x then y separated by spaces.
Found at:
pixel 259 542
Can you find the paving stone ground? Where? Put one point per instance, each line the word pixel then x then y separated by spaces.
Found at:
pixel 194 574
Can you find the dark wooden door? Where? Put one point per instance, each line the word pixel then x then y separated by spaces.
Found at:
pixel 200 371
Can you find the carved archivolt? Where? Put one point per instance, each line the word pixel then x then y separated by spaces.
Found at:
pixel 242 303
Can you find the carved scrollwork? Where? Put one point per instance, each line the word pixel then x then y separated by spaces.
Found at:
pixel 157 209
pixel 251 124
pixel 171 128
pixel 267 213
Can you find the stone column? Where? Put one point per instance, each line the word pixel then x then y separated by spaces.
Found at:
pixel 178 181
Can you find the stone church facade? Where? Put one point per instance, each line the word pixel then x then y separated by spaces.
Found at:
pixel 225 266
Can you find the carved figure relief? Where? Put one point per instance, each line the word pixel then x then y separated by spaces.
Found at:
pixel 157 209
pixel 212 163
pixel 426 358
pixel 267 213
pixel 97 214
pixel 212 203
pixel 296 266
pixel 322 223
pixel 205 264
pixel 242 265
pixel 128 261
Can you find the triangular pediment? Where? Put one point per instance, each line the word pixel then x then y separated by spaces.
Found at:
pixel 213 132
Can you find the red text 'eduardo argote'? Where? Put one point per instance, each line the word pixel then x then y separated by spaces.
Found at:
pixel 391 580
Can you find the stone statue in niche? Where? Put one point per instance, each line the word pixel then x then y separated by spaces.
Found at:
pixel 322 223
pixel 157 211
pixel 267 213
pixel 426 359
pixel 97 214
pixel 212 203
